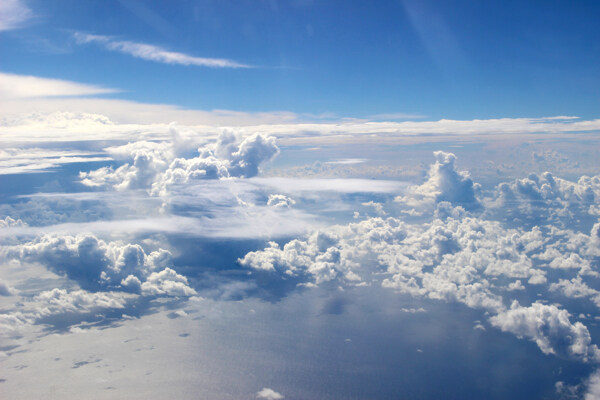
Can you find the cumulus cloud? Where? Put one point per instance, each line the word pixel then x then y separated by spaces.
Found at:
pixel 155 166
pixel 97 265
pixel 593 386
pixel 378 207
pixel 446 259
pixel 549 327
pixel 59 310
pixel 269 394
pixel 167 282
pixel 250 153
pixel 113 279
pixel 595 236
pixel 444 183
pixel 155 53
pixel 58 301
pixel 543 199
pixel 147 164
pixel 516 285
pixel 280 201
pixel 576 288
pixel 9 222
pixel 457 257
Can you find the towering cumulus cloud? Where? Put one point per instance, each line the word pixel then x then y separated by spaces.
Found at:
pixel 155 166
pixel 444 183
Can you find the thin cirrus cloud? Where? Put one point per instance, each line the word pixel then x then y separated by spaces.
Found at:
pixel 155 53
pixel 13 14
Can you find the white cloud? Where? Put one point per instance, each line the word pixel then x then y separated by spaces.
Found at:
pixel 154 53
pixel 223 222
pixel 269 394
pixel 593 386
pixel 155 167
pixel 39 109
pixel 6 290
pixel 97 265
pixel 13 14
pixel 347 161
pixel 356 129
pixel 17 161
pixel 462 256
pixel 167 282
pixel 546 199
pixel 280 200
pixel 455 257
pixel 576 288
pixel 59 301
pixel 14 86
pixel 516 285
pixel 300 185
pixel 549 327
pixel 8 222
pixel 378 207
pixel 444 184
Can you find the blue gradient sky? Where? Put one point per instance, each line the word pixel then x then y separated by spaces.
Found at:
pixel 450 59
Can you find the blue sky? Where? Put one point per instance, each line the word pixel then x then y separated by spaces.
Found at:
pixel 451 59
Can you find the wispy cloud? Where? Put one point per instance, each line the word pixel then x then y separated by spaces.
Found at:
pixel 227 222
pixel 17 161
pixel 13 13
pixel 23 86
pixel 155 53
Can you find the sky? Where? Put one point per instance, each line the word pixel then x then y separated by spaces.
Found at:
pixel 451 59
pixel 299 199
